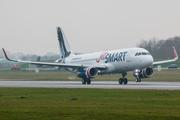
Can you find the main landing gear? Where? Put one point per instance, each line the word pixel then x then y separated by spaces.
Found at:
pixel 123 80
pixel 138 79
pixel 86 80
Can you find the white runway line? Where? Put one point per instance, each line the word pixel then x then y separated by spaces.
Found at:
pixel 95 84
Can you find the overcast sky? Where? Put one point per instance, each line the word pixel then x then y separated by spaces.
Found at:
pixel 29 26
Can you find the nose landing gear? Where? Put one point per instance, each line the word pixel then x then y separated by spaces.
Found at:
pixel 137 75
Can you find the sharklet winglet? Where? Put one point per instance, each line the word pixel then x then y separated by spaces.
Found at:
pixel 175 53
pixel 167 61
pixel 7 56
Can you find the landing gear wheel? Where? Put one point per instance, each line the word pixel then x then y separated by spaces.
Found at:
pixel 125 81
pixel 138 79
pixel 83 81
pixel 88 81
pixel 120 80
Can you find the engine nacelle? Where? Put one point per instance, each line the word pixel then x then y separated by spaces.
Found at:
pixel 90 72
pixel 144 73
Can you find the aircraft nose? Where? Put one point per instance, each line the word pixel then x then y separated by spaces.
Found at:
pixel 150 60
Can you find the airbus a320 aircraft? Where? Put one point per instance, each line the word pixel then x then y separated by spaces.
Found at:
pixel 88 66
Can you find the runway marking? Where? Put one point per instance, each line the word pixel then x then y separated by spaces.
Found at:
pixel 95 84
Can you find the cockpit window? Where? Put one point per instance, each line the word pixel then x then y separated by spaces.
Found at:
pixel 142 53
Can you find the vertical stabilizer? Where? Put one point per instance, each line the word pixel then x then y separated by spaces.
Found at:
pixel 65 49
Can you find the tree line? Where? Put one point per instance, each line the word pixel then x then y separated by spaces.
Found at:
pixel 161 49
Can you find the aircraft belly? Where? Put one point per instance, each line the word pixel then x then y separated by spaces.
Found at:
pixel 124 66
pixel 110 69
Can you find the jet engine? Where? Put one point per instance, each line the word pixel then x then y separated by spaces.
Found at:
pixel 144 73
pixel 90 72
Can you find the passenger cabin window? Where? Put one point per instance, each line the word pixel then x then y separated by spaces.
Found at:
pixel 142 53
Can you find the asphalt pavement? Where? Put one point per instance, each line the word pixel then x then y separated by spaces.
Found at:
pixel 94 84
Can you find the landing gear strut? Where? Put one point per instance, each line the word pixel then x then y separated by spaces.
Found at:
pixel 123 80
pixel 137 76
pixel 86 80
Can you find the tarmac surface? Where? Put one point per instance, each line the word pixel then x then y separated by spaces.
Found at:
pixel 94 84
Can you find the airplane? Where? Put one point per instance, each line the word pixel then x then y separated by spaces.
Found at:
pixel 88 66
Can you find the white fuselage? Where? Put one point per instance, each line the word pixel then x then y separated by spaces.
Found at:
pixel 116 61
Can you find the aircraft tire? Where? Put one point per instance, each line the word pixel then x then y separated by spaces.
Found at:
pixel 138 79
pixel 125 81
pixel 120 80
pixel 88 81
pixel 83 81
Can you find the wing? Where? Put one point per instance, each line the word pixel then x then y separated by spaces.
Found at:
pixel 166 61
pixel 55 63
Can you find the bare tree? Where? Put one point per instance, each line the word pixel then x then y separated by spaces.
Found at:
pixel 161 49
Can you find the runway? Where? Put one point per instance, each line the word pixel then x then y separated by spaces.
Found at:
pixel 94 84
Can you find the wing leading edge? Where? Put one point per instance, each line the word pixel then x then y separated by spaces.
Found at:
pixel 166 61
pixel 55 63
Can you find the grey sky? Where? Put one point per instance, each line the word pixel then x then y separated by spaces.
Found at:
pixel 29 26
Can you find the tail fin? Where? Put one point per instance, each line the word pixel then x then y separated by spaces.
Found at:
pixel 65 49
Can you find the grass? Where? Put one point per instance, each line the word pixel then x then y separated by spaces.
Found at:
pixel 31 75
pixel 88 104
pixel 177 62
pixel 164 75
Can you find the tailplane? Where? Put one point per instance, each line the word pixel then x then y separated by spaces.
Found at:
pixel 65 49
